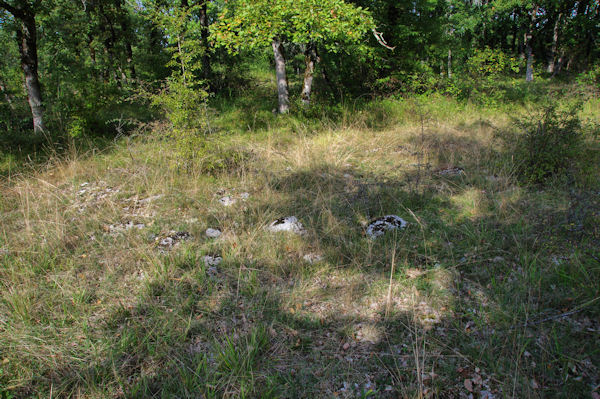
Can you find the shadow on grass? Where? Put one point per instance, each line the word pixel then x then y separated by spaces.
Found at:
pixel 471 284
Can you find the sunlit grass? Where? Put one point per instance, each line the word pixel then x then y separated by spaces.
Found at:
pixel 86 311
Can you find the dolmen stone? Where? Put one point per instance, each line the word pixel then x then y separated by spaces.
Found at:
pixel 380 226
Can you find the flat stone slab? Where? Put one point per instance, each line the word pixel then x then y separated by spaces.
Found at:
pixel 380 226
pixel 289 223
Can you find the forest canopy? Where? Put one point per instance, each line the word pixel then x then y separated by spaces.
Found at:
pixel 70 68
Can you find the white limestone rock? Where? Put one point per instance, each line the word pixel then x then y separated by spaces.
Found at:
pixel 227 200
pixel 313 258
pixel 289 223
pixel 213 233
pixel 212 261
pixel 380 226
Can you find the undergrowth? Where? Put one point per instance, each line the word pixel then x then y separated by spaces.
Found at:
pixel 492 288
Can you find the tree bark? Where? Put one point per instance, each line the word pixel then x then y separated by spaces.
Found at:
pixel 204 34
pixel 552 57
pixel 449 63
pixel 310 56
pixel 126 31
pixel 27 41
pixel 528 48
pixel 282 82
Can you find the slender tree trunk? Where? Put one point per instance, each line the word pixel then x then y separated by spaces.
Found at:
pixel 449 63
pixel 282 82
pixel 110 43
pixel 552 58
pixel 127 38
pixel 528 48
pixel 26 36
pixel 310 56
pixel 204 34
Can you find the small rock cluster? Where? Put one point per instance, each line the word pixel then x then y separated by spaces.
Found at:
pixel 114 229
pixel 172 239
pixel 229 200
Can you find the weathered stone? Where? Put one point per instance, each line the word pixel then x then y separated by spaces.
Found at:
pixel 383 224
pixel 289 223
pixel 213 233
pixel 212 261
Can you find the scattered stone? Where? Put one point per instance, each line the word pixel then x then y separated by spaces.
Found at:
pixel 121 227
pixel 498 259
pixel 150 199
pixel 213 233
pixel 212 271
pixel 289 223
pixel 313 258
pixel 172 239
pixel 383 224
pixel 450 171
pixel 348 176
pixel 227 200
pixel 212 261
pixel 244 196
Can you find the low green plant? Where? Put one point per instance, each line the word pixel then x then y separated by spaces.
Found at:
pixel 549 144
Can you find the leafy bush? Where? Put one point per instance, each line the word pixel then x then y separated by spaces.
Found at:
pixel 590 78
pixel 549 144
pixel 185 108
pixel 491 63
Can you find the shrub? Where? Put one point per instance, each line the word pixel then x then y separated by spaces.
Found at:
pixel 185 109
pixel 549 144
pixel 491 63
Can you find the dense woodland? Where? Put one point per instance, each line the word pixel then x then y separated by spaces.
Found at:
pixel 69 66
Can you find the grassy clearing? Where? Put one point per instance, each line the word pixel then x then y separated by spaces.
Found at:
pixel 492 288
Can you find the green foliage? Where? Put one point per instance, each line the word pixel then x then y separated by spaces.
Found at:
pixel 590 78
pixel 549 143
pixel 490 63
pixel 326 23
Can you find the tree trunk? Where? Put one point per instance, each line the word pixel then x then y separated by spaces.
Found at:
pixel 26 36
pixel 282 83
pixel 310 56
pixel 127 38
pixel 552 58
pixel 204 34
pixel 449 63
pixel 528 48
pixel 27 41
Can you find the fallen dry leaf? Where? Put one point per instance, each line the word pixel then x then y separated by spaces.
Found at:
pixel 469 385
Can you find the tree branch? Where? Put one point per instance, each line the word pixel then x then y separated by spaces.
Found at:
pixel 381 40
